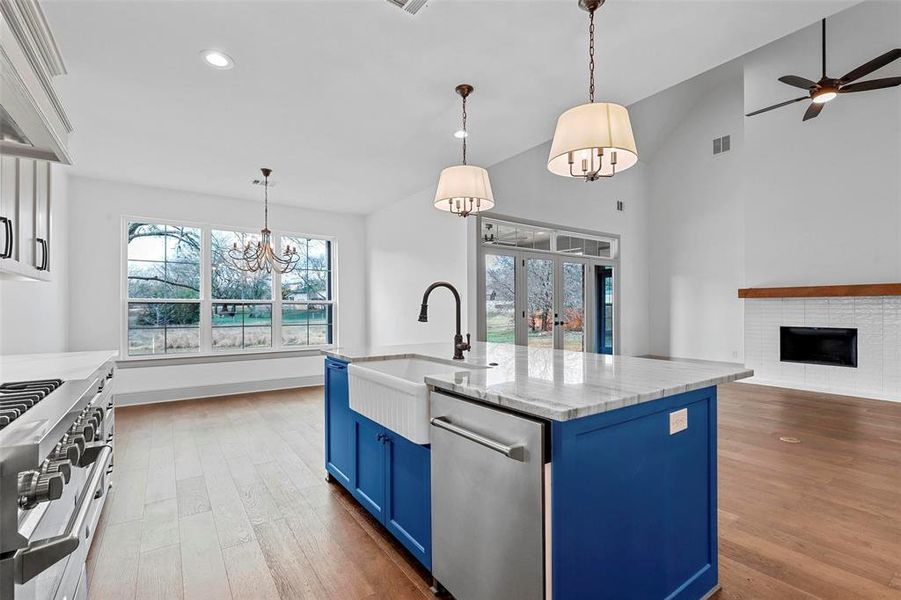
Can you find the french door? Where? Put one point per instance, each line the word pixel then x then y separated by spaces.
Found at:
pixel 547 300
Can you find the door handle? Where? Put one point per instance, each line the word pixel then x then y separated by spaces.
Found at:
pixel 42 554
pixel 514 452
pixel 44 254
pixel 8 242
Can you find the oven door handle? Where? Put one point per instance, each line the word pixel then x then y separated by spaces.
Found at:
pixel 42 554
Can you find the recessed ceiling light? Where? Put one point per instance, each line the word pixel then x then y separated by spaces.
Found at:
pixel 460 134
pixel 217 59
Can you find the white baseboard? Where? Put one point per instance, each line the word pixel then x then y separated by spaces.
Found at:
pixel 209 391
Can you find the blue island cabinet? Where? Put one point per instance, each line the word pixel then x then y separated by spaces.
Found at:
pixel 634 501
pixel 388 475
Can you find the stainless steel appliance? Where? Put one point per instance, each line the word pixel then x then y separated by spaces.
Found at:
pixel 56 457
pixel 488 502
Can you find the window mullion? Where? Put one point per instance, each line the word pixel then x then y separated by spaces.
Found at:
pixel 206 292
pixel 276 321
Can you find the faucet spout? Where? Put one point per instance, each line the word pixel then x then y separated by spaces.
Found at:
pixel 459 344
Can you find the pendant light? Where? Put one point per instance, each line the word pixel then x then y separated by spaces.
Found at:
pixel 464 189
pixel 592 140
pixel 261 256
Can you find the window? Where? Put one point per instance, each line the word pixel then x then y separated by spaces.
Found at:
pixel 163 266
pixel 177 301
pixel 237 325
pixel 535 237
pixel 307 295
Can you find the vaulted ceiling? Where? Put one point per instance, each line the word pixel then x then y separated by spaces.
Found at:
pixel 352 102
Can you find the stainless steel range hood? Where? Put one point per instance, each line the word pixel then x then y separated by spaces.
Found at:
pixel 33 123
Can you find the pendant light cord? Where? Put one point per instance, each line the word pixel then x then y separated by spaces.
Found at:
pixel 464 130
pixel 266 202
pixel 591 56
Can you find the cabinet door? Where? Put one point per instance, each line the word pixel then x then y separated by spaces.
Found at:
pixel 408 507
pixel 9 219
pixel 42 215
pixel 369 466
pixel 25 243
pixel 339 456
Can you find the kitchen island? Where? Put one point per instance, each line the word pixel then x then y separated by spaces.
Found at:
pixel 548 474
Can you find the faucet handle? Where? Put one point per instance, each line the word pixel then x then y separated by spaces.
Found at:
pixel 468 345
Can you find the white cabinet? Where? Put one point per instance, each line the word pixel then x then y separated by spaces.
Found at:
pixel 24 218
pixel 34 122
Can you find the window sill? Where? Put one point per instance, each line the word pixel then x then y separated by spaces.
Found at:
pixel 163 360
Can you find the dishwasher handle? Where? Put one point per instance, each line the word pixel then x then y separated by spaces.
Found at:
pixel 514 452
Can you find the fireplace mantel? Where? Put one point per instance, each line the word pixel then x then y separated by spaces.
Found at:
pixel 823 291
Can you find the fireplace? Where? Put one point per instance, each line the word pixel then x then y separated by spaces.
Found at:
pixel 836 346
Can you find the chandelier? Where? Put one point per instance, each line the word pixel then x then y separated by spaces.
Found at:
pixel 261 256
pixel 464 189
pixel 592 140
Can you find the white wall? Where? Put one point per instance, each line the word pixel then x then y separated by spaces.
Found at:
pixel 410 245
pixel 34 315
pixel 96 212
pixel 791 204
pixel 696 232
pixel 823 198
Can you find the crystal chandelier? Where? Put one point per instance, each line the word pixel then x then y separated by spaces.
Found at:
pixel 464 189
pixel 260 256
pixel 592 140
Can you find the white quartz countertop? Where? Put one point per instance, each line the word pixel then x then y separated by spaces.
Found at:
pixel 556 384
pixel 68 366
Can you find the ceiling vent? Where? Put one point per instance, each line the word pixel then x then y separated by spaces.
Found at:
pixel 410 6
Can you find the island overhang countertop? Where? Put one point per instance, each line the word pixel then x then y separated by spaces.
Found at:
pixel 555 384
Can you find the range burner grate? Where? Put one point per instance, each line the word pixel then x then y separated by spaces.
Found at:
pixel 16 397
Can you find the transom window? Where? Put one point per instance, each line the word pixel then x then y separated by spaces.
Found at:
pixel 183 295
pixel 534 237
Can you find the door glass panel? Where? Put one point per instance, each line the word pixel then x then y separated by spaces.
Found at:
pixel 500 298
pixel 605 311
pixel 540 302
pixel 573 306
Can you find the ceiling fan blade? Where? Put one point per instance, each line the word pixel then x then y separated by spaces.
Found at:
pixel 798 82
pixel 876 63
pixel 813 110
pixel 872 84
pixel 780 105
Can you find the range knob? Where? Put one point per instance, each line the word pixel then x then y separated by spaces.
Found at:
pixel 76 439
pixel 84 428
pixel 63 467
pixel 67 452
pixel 35 487
pixel 49 486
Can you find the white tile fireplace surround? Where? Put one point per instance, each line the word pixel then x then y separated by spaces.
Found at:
pixel 878 324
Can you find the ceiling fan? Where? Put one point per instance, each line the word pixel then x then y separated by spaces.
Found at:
pixel 822 91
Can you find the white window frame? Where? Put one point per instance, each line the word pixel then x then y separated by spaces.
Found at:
pixel 206 301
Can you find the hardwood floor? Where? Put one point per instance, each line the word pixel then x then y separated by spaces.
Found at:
pixel 226 497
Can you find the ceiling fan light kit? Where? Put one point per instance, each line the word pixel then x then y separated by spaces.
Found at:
pixel 827 89
pixel 593 140
pixel 464 189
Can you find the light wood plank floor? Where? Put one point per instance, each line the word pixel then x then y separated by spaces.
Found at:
pixel 225 497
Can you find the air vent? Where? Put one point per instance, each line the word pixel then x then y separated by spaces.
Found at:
pixel 722 144
pixel 410 6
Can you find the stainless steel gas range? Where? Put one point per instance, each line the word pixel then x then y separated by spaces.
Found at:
pixel 56 461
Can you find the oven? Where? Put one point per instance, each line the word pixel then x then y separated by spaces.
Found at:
pixel 56 467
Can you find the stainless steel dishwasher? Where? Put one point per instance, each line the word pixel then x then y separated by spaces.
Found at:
pixel 488 517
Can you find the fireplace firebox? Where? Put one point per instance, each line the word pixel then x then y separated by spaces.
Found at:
pixel 835 346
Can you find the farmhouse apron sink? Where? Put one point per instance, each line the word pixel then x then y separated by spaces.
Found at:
pixel 393 392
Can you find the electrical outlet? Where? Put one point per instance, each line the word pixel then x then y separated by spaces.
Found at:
pixel 678 421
